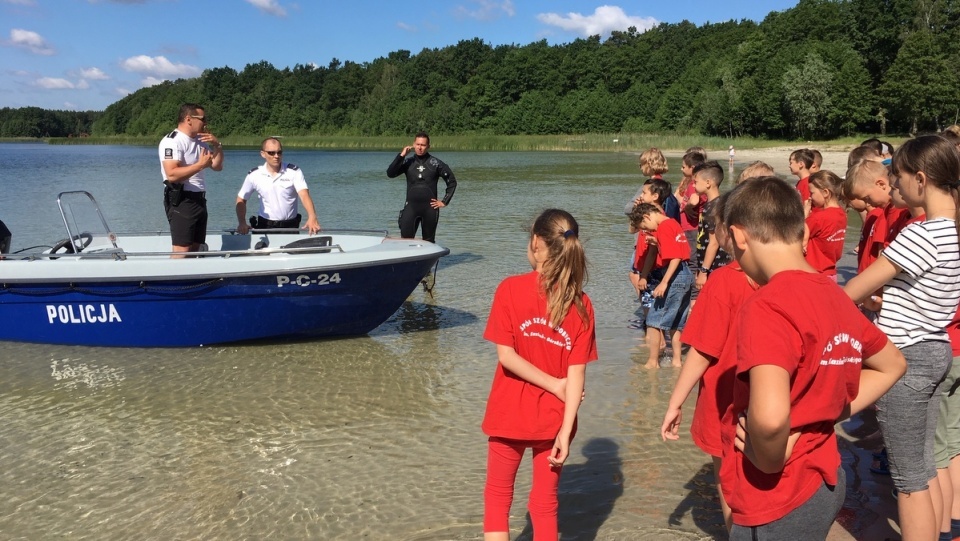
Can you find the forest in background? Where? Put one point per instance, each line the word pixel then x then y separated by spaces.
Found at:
pixel 823 69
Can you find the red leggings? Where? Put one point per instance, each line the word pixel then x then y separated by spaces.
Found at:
pixel 503 460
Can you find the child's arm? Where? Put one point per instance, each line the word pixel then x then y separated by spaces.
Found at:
pixel 767 427
pixel 672 266
pixel 523 369
pixel 693 369
pixel 878 373
pixel 576 375
pixel 713 246
pixel 871 279
pixel 648 266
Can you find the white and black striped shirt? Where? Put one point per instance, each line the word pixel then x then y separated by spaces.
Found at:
pixel 921 300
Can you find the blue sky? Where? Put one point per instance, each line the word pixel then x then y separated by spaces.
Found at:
pixel 87 54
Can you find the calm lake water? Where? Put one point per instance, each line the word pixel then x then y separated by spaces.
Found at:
pixel 373 437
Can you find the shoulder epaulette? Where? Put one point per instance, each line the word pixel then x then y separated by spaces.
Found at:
pixel 172 134
pixel 292 166
pixel 254 169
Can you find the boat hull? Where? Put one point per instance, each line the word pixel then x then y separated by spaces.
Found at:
pixel 296 303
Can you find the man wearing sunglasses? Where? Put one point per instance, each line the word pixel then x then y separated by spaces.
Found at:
pixel 184 155
pixel 279 185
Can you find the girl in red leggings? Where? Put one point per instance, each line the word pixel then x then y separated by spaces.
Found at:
pixel 543 326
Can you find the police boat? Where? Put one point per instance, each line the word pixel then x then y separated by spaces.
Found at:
pixel 100 288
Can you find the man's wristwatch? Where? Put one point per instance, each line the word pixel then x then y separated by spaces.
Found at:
pixel 704 270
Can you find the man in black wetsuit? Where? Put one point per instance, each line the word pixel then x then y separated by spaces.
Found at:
pixel 423 173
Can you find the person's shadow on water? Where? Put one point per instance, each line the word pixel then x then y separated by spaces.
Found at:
pixel 702 503
pixel 587 492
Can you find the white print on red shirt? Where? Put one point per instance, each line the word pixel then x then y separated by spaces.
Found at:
pixel 846 341
pixel 540 321
pixel 838 236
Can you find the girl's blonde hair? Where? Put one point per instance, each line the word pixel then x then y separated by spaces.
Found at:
pixel 564 271
pixel 827 180
pixel 652 162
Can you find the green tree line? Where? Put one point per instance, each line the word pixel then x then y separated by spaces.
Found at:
pixel 37 122
pixel 824 68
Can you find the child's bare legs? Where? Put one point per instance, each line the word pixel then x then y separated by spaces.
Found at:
pixel 918 519
pixel 677 348
pixel 654 339
pixel 496 536
pixel 727 513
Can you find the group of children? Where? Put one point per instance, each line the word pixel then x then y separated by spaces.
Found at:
pixel 779 351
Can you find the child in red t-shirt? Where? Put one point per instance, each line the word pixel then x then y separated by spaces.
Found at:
pixel 710 332
pixel 806 358
pixel 827 223
pixel 801 163
pixel 667 263
pixel 543 326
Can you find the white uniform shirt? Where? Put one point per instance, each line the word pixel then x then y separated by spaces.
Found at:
pixel 922 299
pixel 278 195
pixel 184 150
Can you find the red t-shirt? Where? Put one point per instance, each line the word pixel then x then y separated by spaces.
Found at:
pixel 690 218
pixel 640 251
pixel 828 229
pixel 671 243
pixel 820 338
pixel 517 409
pixel 872 237
pixel 803 186
pixel 895 219
pixel 900 221
pixel 711 330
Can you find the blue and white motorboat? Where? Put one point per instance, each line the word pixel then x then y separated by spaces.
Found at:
pixel 100 288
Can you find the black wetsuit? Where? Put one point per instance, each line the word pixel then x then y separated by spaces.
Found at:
pixel 423 175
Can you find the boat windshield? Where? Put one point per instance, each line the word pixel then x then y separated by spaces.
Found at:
pixel 85 224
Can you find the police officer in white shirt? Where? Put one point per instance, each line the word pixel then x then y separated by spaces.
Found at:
pixel 279 185
pixel 184 155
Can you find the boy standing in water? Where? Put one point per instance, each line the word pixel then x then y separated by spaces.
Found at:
pixel 804 362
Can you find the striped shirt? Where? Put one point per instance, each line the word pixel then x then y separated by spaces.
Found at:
pixel 920 300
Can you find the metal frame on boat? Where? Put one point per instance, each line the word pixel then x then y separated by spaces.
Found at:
pixel 100 288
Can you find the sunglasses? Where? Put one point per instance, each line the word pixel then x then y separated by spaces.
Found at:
pixel 200 118
pixel 274 152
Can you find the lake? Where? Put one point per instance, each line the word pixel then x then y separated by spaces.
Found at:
pixel 373 437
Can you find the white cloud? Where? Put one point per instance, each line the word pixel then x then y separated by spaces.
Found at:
pixel 604 20
pixel 53 83
pixel 21 2
pixel 31 41
pixel 486 10
pixel 159 68
pixel 406 27
pixel 82 84
pixel 93 74
pixel 69 105
pixel 122 91
pixel 270 7
pixel 151 81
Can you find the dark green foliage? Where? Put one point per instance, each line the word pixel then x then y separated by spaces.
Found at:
pixel 821 69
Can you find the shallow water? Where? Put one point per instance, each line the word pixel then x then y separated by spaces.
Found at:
pixel 373 437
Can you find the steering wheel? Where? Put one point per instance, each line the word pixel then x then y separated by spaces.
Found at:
pixel 68 246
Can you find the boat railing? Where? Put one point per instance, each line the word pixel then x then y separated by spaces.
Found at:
pixel 122 255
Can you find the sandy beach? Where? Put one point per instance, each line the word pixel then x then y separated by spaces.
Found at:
pixel 834 158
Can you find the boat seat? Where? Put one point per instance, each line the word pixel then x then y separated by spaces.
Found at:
pixel 312 242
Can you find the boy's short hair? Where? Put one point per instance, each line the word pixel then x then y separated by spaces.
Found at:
pixel 652 162
pixel 640 212
pixel 660 188
pixel 804 156
pixel 711 170
pixel 756 169
pixel 873 143
pixel 952 134
pixel 817 157
pixel 693 158
pixel 768 208
pixel 698 150
pixel 860 172
pixel 862 152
